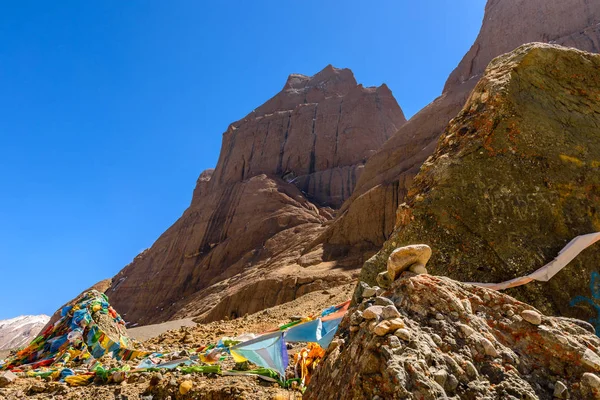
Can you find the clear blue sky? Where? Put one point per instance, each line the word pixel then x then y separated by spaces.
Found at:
pixel 109 111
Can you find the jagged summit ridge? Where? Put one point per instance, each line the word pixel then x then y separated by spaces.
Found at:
pixel 330 79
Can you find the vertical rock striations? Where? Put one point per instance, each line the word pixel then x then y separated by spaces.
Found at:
pixel 243 244
pixel 441 339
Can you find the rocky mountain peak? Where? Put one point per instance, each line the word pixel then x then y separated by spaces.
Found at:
pixel 317 132
pixel 331 80
pixel 280 170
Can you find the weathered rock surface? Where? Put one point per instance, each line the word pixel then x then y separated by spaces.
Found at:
pixel 515 177
pixel 6 378
pixel 316 133
pixel 368 217
pixel 485 350
pixel 247 240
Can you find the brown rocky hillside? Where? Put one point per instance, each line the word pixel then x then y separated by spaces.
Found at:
pixel 244 243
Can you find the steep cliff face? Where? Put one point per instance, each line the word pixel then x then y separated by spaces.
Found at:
pixel 514 178
pixel 315 133
pixel 242 244
pixel 368 217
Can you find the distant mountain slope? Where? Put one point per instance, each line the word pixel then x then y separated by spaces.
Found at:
pixel 19 331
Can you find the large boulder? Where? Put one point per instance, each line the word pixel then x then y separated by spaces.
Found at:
pixel 456 341
pixel 367 218
pixel 514 178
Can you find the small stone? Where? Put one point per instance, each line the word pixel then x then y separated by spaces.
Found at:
pixel 394 342
pixel 489 348
pixel 437 339
pixel 356 318
pixel 359 294
pixel 6 378
pixel 364 305
pixel 390 312
pixel 118 376
pixel 369 292
pixel 372 325
pixel 532 317
pixel 467 306
pixel 385 327
pixel 466 330
pixel 372 312
pixel 185 387
pixel 510 313
pixel 451 383
pixel 354 328
pixel 440 377
pixel 418 269
pixel 591 359
pixel 37 388
pixel 383 279
pixel 382 328
pixel 590 385
pixel 560 390
pixel 403 334
pixel 439 316
pixel 471 370
pixel 396 323
pixel 383 301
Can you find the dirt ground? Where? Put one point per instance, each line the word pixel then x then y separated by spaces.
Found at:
pixel 185 335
